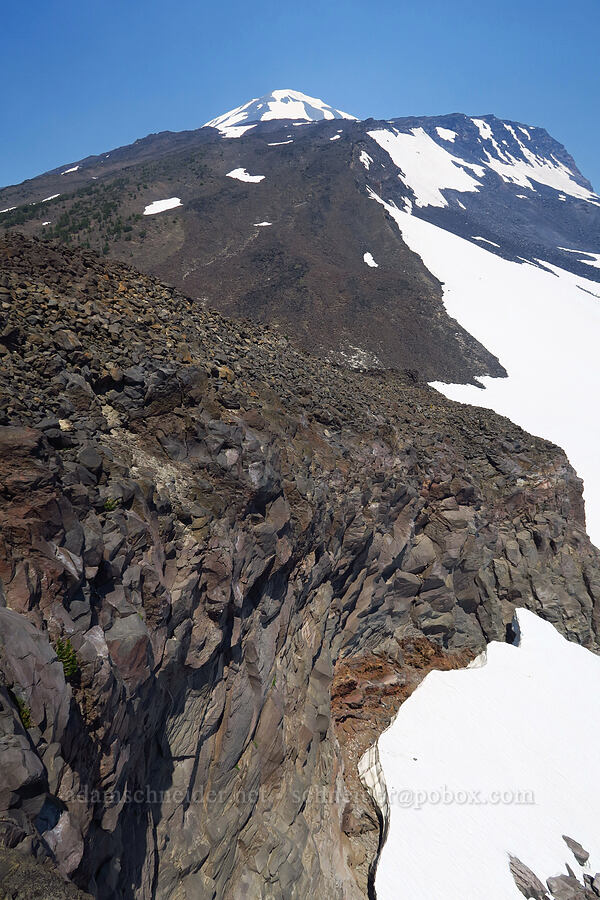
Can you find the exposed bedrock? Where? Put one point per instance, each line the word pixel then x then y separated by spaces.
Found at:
pixel 255 556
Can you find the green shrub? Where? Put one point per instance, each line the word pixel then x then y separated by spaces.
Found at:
pixel 24 713
pixel 68 658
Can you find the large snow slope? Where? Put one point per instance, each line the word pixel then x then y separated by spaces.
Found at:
pixel 492 760
pixel 542 324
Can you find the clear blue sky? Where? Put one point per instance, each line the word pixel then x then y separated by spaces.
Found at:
pixel 84 77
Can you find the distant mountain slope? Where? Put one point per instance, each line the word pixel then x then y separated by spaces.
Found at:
pixel 272 218
pixel 274 226
pixel 510 186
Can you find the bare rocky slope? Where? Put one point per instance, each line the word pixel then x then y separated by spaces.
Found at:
pixel 255 555
pixel 305 272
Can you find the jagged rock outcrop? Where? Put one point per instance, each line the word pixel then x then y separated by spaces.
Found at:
pixel 231 532
pixel 558 887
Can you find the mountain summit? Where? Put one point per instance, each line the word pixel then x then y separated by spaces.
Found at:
pixel 283 104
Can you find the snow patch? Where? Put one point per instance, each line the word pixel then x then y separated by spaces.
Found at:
pixel 336 137
pixel 8 209
pixel 158 206
pixel 262 224
pixel 243 175
pixel 368 258
pixel 365 159
pixel 427 168
pixel 235 131
pixel 279 143
pixel 53 197
pixel 485 241
pixel 523 727
pixel 595 257
pixel 484 129
pixel 446 134
pixel 67 171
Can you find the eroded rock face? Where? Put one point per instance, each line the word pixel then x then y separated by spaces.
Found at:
pixel 232 533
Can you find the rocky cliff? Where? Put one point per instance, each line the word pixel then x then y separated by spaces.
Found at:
pixel 224 563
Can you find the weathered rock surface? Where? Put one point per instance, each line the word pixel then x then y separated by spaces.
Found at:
pixel 232 534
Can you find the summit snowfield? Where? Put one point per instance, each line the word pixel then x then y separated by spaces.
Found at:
pixel 281 104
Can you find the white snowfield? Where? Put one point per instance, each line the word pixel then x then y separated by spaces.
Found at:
pixel 542 324
pixel 72 169
pixel 368 258
pixel 52 197
pixel 499 758
pixel 446 134
pixel 429 168
pixel 158 206
pixel 262 224
pixel 243 175
pixel 281 104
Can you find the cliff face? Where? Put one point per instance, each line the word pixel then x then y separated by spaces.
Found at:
pixel 255 555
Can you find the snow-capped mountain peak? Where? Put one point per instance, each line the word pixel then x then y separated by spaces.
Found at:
pixel 282 104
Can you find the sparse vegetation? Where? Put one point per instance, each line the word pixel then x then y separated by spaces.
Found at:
pixel 68 658
pixel 24 713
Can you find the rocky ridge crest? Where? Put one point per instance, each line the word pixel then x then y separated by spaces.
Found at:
pixel 255 555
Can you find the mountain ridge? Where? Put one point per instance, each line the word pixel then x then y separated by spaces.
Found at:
pixel 244 544
pixel 524 220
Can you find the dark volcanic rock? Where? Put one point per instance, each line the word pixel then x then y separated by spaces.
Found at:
pixel 231 532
